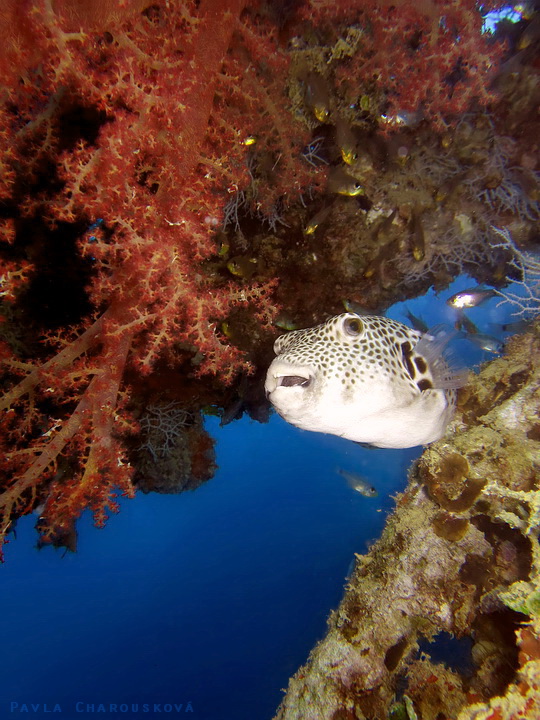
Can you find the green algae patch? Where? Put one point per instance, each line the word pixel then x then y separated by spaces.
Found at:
pixel 523 597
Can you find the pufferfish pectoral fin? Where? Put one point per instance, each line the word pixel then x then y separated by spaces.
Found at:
pixel 433 348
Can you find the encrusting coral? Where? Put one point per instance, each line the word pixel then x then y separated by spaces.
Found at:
pixel 459 555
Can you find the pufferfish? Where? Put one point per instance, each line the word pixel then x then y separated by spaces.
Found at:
pixel 366 378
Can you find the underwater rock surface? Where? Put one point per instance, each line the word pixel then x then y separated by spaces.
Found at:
pixel 459 555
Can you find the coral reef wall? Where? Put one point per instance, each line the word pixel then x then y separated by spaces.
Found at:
pixel 176 178
pixel 459 556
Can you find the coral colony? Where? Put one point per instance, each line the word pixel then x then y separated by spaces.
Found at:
pixel 160 162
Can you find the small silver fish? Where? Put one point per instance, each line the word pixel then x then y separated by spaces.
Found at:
pixel 354 307
pixel 466 324
pixel 486 342
pixel 358 483
pixel 518 326
pixel 470 298
pixel 234 411
pixel 365 378
pixel 416 322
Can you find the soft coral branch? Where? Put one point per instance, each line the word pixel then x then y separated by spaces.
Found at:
pixel 89 427
pixel 158 97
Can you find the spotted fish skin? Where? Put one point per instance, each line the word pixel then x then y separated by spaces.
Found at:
pixel 366 378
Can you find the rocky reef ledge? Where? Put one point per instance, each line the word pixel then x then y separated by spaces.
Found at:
pixel 458 564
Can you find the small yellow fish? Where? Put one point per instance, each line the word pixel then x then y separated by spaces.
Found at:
pixel 346 141
pixel 365 103
pixel 317 220
pixel 387 252
pixel 286 322
pixel 382 227
pixel 318 96
pixel 243 266
pixel 342 183
pixel 402 118
pixel 530 35
pixel 418 237
pixel 226 329
pixel 224 248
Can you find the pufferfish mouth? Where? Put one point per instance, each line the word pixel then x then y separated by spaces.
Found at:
pixel 282 375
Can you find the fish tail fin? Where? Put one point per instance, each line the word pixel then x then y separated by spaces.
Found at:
pixel 433 346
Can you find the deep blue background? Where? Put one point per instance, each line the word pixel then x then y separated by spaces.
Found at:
pixel 214 596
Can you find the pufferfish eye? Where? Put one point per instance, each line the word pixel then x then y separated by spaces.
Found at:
pixel 353 326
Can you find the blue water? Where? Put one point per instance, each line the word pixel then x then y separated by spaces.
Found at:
pixel 212 597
